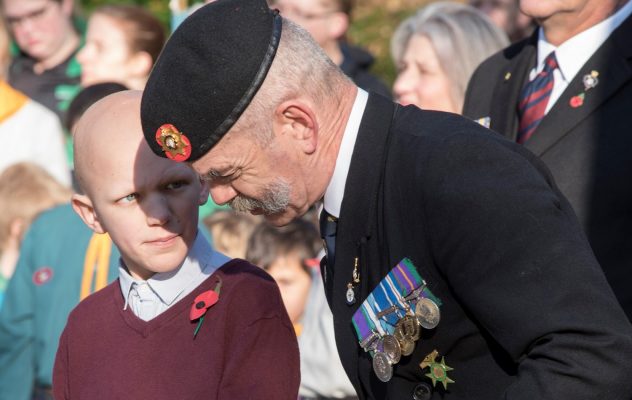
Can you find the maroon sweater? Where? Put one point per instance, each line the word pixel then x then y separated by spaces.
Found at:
pixel 245 349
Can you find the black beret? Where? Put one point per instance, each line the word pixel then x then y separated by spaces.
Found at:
pixel 207 74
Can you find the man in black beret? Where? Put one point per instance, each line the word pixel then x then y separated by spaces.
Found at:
pixel 460 271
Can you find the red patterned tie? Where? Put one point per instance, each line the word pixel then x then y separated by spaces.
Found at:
pixel 534 98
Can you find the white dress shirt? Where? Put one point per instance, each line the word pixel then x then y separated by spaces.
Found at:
pixel 150 298
pixel 575 52
pixel 336 188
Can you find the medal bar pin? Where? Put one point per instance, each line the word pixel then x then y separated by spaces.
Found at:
pixel 415 293
pixel 370 341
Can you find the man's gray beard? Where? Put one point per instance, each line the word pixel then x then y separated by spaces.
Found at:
pixel 275 199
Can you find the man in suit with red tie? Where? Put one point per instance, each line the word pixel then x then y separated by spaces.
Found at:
pixel 566 94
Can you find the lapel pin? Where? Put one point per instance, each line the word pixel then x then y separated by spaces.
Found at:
pixel 590 81
pixel 484 121
pixel 508 76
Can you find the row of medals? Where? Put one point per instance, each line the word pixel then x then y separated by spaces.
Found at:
pixel 389 349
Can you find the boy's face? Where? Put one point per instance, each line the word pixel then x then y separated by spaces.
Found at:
pixel 294 283
pixel 148 204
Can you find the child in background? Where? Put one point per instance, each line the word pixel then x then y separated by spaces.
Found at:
pixel 230 231
pixel 25 190
pixel 289 254
pixel 192 319
pixel 61 259
pixel 122 44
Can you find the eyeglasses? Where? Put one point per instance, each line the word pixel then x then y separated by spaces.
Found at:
pixel 34 16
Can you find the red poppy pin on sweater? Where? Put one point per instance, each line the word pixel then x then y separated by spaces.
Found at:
pixel 202 303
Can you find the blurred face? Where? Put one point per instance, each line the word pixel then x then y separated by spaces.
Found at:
pixel 105 56
pixel 39 27
pixel 318 17
pixel 294 283
pixel 421 80
pixel 501 12
pixel 260 180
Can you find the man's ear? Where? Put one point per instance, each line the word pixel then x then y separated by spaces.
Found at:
pixel 297 119
pixel 83 207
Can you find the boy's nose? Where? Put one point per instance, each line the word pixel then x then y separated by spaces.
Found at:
pixel 157 211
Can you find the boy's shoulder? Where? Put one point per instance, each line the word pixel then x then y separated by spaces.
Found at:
pixel 97 305
pixel 250 288
pixel 242 272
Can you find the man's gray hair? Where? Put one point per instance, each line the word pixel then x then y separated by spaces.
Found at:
pixel 300 67
pixel 461 35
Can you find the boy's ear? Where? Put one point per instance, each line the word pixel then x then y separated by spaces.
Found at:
pixel 204 192
pixel 141 63
pixel 83 207
pixel 297 119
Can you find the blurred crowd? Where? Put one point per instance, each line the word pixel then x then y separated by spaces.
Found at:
pixel 51 71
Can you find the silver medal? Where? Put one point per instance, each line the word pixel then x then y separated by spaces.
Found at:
pixel 382 366
pixel 391 348
pixel 427 313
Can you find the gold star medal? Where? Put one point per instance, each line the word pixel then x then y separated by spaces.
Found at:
pixel 174 143
pixel 438 370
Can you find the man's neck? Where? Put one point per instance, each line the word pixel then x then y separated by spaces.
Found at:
pixel 329 146
pixel 67 48
pixel 562 26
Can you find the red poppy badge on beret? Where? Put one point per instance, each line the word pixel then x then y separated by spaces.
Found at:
pixel 174 143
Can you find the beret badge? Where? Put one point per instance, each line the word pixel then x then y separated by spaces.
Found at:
pixel 174 143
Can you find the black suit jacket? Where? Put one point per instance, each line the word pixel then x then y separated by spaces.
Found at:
pixel 527 312
pixel 588 148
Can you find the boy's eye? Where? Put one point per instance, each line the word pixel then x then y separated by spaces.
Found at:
pixel 129 198
pixel 176 185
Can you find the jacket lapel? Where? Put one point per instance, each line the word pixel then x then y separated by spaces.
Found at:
pixel 356 216
pixel 612 62
pixel 503 117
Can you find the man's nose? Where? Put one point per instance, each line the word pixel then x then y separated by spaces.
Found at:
pixel 222 194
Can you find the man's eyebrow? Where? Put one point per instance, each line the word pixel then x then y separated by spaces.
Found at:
pixel 212 175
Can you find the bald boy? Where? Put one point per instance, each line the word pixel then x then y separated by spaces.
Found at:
pixel 182 321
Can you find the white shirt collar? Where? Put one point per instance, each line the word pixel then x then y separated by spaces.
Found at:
pixel 573 53
pixel 200 263
pixel 336 188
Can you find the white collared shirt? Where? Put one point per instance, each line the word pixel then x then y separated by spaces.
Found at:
pixel 575 52
pixel 336 188
pixel 150 298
